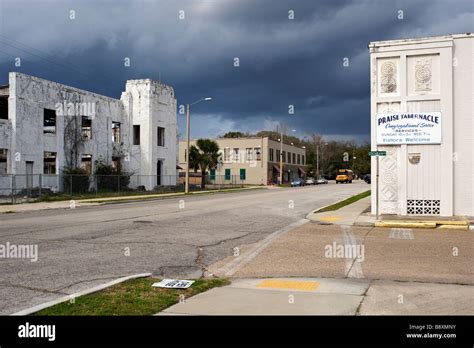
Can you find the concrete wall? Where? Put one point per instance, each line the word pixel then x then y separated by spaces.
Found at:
pixel 442 182
pixel 144 102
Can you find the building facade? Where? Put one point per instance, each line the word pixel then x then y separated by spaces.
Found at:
pixel 422 102
pixel 46 126
pixel 255 160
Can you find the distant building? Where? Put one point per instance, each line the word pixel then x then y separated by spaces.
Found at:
pixel 46 126
pixel 422 102
pixel 255 160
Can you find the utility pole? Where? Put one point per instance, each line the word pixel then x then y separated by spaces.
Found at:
pixel 317 161
pixel 188 120
pixel 281 156
pixel 188 125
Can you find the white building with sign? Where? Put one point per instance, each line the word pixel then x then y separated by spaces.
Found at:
pixel 422 115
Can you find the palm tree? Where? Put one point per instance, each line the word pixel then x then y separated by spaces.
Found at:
pixel 205 155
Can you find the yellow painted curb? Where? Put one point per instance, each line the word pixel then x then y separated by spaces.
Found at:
pixel 449 222
pixel 403 224
pixel 454 227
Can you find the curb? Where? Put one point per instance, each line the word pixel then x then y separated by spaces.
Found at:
pixel 97 288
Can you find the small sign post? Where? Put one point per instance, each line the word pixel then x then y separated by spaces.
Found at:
pixel 377 154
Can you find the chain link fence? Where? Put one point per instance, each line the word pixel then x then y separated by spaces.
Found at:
pixel 19 188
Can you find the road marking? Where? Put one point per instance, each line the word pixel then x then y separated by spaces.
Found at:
pixel 353 267
pixel 330 218
pixel 288 284
pixel 230 268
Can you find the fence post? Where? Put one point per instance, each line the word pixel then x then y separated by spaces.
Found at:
pixel 40 184
pixel 13 188
pixel 118 183
pixel 70 185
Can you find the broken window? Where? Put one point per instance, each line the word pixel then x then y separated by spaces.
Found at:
pixel 49 122
pixel 86 163
pixel 86 127
pixel 161 136
pixel 136 135
pixel 116 132
pixel 116 164
pixel 49 163
pixel 3 108
pixel 3 161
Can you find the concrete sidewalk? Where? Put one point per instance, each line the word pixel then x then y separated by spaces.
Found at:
pixel 66 204
pixel 325 296
pixel 352 214
pixel 283 296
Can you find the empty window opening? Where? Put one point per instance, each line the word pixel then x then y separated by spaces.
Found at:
pixel 136 135
pixel 3 161
pixel 86 163
pixel 86 127
pixel 116 163
pixel 161 136
pixel 3 108
pixel 49 122
pixel 49 163
pixel 116 132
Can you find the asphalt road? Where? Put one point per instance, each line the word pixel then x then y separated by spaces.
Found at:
pixel 83 247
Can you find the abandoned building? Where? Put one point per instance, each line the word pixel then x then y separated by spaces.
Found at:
pixel 46 127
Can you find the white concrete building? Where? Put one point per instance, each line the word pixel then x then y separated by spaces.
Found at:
pixel 422 102
pixel 46 126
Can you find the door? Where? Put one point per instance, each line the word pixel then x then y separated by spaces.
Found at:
pixel 158 173
pixel 29 175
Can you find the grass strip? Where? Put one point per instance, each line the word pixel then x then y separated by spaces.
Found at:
pixel 132 297
pixel 345 202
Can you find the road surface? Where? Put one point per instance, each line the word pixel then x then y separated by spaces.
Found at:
pixel 83 247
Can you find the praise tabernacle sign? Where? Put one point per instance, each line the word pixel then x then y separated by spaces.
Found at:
pixel 409 128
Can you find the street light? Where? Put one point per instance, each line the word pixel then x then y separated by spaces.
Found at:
pixel 317 158
pixel 188 125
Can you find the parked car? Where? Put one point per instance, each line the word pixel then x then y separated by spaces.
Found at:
pixel 367 178
pixel 321 181
pixel 297 182
pixel 310 181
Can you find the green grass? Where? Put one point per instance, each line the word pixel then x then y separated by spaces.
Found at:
pixel 133 297
pixel 345 202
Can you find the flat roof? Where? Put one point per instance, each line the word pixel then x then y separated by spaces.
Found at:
pixel 418 40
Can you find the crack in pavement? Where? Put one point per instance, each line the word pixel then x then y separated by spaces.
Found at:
pixel 57 292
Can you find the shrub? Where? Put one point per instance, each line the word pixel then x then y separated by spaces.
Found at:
pixel 75 180
pixel 108 177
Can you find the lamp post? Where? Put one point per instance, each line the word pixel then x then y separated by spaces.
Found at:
pixel 188 125
pixel 317 159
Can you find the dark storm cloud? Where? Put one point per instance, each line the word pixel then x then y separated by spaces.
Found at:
pixel 282 61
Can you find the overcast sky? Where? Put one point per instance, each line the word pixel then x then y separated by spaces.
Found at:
pixel 282 61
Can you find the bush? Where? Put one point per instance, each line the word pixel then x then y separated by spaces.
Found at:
pixel 108 177
pixel 75 180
